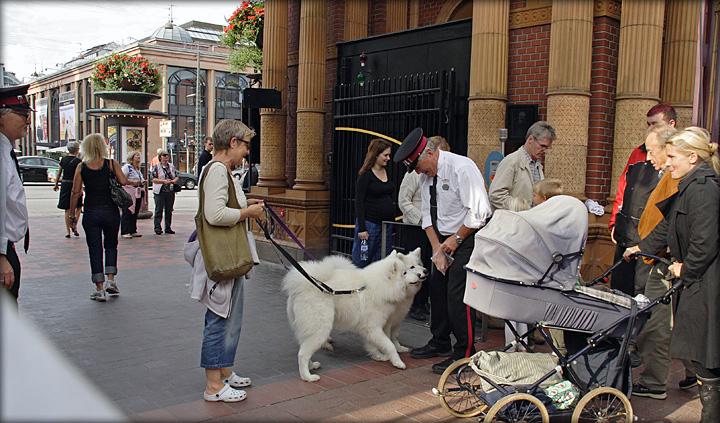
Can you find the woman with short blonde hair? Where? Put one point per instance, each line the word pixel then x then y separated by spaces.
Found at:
pixel 101 219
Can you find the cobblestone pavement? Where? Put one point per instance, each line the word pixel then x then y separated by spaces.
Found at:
pixel 142 348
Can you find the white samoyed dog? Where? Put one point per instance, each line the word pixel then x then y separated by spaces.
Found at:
pixel 374 313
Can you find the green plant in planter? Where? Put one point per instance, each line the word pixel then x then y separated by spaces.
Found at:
pixel 243 35
pixel 121 72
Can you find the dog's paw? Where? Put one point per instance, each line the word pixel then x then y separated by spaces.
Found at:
pixel 314 365
pixel 401 349
pixel 379 356
pixel 311 378
pixel 327 346
pixel 399 364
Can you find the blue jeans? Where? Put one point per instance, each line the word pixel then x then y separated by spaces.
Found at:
pixel 221 336
pixel 101 226
pixel 374 243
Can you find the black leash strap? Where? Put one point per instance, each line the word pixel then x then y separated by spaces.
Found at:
pixel 559 261
pixel 318 284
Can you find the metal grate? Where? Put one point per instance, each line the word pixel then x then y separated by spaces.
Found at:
pixel 391 106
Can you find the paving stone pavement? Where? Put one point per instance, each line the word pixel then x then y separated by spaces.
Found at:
pixel 142 348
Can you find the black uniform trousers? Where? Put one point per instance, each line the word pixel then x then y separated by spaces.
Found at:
pixel 14 261
pixel 448 312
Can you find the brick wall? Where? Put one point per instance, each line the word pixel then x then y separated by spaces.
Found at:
pixel 377 17
pixel 528 62
pixel 606 34
pixel 428 11
pixel 291 122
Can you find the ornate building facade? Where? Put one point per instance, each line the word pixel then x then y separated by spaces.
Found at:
pixel 591 68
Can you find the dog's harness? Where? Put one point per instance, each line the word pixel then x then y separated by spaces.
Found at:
pixel 269 227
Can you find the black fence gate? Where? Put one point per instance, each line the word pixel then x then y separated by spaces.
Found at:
pixel 391 106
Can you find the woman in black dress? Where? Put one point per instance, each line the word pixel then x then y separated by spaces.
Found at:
pixel 65 181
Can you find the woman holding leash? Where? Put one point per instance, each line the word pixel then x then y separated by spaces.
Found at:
pixel 221 335
pixel 690 230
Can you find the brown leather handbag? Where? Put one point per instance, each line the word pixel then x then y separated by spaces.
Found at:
pixel 225 249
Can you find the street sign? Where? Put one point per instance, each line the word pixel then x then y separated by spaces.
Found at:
pixel 166 128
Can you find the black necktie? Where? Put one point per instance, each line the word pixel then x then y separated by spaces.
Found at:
pixel 433 205
pixel 14 157
pixel 26 242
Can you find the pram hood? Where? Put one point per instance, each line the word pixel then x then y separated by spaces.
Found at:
pixel 521 246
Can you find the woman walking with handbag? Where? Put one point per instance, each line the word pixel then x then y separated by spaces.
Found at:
pixel 101 219
pixel 231 140
pixel 164 179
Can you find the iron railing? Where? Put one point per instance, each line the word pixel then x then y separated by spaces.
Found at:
pixel 391 106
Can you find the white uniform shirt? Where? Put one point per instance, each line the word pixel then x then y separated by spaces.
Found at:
pixel 13 205
pixel 461 195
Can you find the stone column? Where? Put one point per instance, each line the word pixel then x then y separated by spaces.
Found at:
pixel 638 79
pixel 488 77
pixel 414 14
pixel 272 121
pixel 678 66
pixel 568 104
pixel 356 19
pixel 311 90
pixel 396 15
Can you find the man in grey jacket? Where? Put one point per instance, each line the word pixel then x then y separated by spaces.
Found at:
pixel 512 187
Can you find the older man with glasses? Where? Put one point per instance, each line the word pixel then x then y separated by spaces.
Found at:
pixel 512 187
pixel 14 120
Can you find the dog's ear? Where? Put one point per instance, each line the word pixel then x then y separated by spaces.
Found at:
pixel 393 253
pixel 416 252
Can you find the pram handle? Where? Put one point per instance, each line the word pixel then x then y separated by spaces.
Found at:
pixel 603 277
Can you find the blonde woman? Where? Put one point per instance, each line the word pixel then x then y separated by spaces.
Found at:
pixel 131 170
pixel 64 183
pixel 690 230
pixel 101 218
pixel 221 334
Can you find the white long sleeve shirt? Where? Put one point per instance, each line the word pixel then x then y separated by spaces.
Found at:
pixel 461 195
pixel 410 198
pixel 13 204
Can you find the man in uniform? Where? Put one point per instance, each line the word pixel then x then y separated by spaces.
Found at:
pixel 14 121
pixel 454 206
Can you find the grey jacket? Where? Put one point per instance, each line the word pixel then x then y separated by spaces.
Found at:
pixel 512 187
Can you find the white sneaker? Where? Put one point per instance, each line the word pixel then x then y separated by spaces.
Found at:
pixel 127 236
pixel 98 296
pixel 111 288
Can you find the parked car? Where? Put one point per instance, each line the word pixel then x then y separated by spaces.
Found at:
pixel 187 180
pixel 38 168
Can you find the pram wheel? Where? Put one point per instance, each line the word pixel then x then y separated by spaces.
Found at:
pixel 603 405
pixel 518 408
pixel 457 390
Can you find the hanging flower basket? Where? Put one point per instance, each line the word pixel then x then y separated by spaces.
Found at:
pixel 244 36
pixel 121 72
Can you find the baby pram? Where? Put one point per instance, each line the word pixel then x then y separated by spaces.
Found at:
pixel 525 268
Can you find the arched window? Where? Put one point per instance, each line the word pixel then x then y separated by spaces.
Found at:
pixel 181 102
pixel 228 95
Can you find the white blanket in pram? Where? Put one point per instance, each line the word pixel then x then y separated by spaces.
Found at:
pixel 517 368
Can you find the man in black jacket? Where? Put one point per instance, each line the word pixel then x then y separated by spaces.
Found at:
pixel 205 156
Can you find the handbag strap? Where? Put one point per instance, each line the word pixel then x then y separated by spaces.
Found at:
pixel 232 194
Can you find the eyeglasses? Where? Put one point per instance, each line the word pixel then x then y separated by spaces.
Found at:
pixel 244 141
pixel 24 113
pixel 545 146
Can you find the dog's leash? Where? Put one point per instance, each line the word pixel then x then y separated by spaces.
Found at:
pixel 269 226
